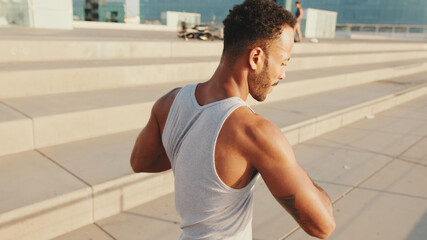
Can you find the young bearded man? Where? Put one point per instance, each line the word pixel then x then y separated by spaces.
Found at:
pixel 217 146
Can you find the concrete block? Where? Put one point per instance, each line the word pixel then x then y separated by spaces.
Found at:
pixel 390 143
pixel 279 115
pixel 30 211
pixel 410 95
pixel 366 207
pixel 51 78
pixel 363 77
pixel 416 153
pixel 92 232
pixel 328 160
pixel 302 83
pixel 90 114
pixel 157 220
pixel 356 115
pixel 96 160
pixel 292 136
pixel 383 106
pixel 57 77
pixel 400 178
pixel 409 69
pixel 80 125
pixel 354 47
pixel 16 131
pixel 122 194
pixel 108 199
pixel 334 60
pixel 104 164
pixel 270 220
pixel 307 132
pixel 328 124
pixel 184 49
pixel 54 50
pixel 151 188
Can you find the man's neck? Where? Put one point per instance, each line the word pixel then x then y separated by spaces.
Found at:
pixel 227 81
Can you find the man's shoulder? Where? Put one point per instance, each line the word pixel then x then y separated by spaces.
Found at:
pixel 256 138
pixel 162 106
pixel 164 103
pixel 249 126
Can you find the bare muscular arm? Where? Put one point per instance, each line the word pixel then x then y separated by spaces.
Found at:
pixel 149 154
pixel 271 154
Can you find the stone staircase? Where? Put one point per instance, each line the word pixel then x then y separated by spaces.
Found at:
pixel 70 111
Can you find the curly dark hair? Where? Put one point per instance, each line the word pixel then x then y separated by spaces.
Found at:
pixel 254 22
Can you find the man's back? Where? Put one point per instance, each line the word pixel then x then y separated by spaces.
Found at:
pixel 208 207
pixel 217 153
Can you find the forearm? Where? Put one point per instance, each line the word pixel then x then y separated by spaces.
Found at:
pixel 161 164
pixel 142 163
pixel 326 200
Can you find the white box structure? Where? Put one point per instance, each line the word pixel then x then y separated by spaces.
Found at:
pixel 56 14
pixel 174 19
pixel 320 23
pixel 53 14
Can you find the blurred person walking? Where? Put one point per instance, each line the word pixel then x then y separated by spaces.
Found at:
pixel 298 16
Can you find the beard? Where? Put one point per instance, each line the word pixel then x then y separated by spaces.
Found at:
pixel 260 84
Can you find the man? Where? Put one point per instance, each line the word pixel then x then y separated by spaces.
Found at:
pixel 217 146
pixel 298 15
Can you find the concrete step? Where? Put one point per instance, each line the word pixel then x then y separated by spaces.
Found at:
pixel 37 195
pixel 29 51
pixel 63 48
pixel 380 156
pixel 337 46
pixel 39 78
pixel 304 82
pixel 60 118
pixel 16 131
pixel 102 164
pixel 47 198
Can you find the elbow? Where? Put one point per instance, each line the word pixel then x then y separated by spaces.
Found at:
pixel 136 168
pixel 324 231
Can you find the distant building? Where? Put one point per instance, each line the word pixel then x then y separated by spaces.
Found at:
pixel 212 11
pixel 99 10
pixel 409 12
pixel 392 12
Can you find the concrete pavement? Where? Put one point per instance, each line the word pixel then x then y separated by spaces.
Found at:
pixel 386 157
pixel 374 170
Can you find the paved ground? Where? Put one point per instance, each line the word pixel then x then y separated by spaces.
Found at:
pixel 387 196
pixel 374 170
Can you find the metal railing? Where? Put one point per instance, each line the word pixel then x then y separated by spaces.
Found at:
pixel 383 28
pixel 386 30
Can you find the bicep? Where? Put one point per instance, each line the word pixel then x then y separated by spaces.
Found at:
pixel 290 184
pixel 287 181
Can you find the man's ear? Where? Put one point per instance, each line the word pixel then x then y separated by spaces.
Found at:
pixel 256 56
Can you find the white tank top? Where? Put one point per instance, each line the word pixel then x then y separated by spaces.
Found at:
pixel 208 207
